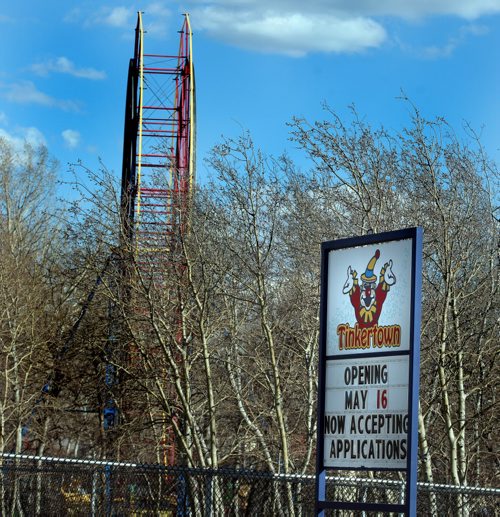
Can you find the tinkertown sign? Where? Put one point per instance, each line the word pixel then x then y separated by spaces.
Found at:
pixel 369 361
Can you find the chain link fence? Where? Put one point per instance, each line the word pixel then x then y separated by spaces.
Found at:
pixel 57 487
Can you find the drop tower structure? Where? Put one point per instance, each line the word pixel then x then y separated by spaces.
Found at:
pixel 159 146
pixel 158 177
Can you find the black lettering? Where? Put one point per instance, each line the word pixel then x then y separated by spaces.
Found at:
pixel 347 376
pixel 390 449
pixel 396 453
pixel 384 374
pixel 347 447
pixel 366 374
pixel 388 420
pixel 364 394
pixel 360 424
pixel 380 449
pixel 334 424
pixel 328 428
pixel 403 449
pixel 340 423
pixel 398 427
pixel 381 421
pixel 367 424
pixel 354 456
pixel 332 450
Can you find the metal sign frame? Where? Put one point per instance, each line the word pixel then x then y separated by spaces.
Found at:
pixel 410 502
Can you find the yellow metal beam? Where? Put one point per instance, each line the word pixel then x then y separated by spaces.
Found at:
pixel 192 131
pixel 139 152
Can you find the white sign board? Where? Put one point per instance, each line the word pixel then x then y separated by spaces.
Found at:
pixel 366 412
pixel 369 298
pixel 368 329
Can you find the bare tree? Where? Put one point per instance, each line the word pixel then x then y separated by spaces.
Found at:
pixel 28 318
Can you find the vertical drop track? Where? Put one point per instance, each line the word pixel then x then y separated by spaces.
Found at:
pixel 158 160
pixel 158 167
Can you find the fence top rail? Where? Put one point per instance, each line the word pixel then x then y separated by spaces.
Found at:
pixel 72 461
pixel 232 472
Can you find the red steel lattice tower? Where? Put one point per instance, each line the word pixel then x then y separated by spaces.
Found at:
pixel 158 167
pixel 159 151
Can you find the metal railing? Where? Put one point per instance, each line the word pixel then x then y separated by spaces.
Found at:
pixel 31 485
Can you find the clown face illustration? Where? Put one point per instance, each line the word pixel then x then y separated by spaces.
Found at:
pixel 369 298
pixel 368 294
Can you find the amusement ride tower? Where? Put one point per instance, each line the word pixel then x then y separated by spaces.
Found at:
pixel 158 173
pixel 159 147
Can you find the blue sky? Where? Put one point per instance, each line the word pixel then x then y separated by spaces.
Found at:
pixel 63 67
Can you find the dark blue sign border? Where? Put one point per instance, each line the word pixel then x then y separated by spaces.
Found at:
pixel 410 505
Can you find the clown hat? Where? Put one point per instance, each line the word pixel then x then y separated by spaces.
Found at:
pixel 368 275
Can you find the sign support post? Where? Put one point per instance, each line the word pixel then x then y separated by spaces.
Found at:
pixel 369 361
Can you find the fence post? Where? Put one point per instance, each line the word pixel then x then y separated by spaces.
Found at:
pixel 108 490
pixel 402 496
pixel 93 497
pixel 182 506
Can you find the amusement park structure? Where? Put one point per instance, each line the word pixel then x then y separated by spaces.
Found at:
pixel 159 149
pixel 157 181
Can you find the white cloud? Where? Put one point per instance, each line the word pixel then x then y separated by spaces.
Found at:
pixel 89 16
pixel 295 27
pixel 64 66
pixel 446 50
pixel 71 138
pixel 118 17
pixel 19 136
pixel 156 17
pixel 33 136
pixel 468 9
pixel 290 27
pixel 25 92
pixel 294 34
pixel 3 118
